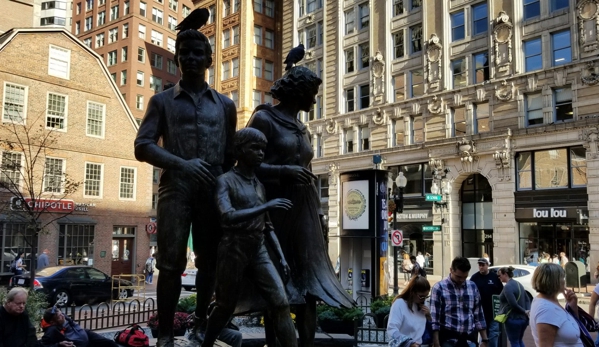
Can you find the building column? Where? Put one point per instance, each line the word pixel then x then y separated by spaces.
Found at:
pixel 590 137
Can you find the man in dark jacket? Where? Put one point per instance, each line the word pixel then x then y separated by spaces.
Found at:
pixel 15 328
pixel 61 331
pixel 488 284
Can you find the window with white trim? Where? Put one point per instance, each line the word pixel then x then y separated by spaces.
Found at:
pixel 111 58
pixel 481 118
pixel 458 120
pixel 156 61
pixel 95 119
pixel 235 67
pixel 416 129
pixel 257 67
pixel 416 38
pixel 269 68
pixel 398 44
pixel 127 183
pixel 113 35
pixel 269 39
pixel 142 31
pixel 235 97
pixel 101 18
pixel 364 138
pixel 59 62
pixel 156 84
pixel 157 38
pixel 226 70
pixel 349 60
pixel 92 185
pixel 14 103
pixel 416 83
pixel 348 137
pixel 114 12
pixel 56 111
pixel 10 169
pixel 170 44
pixel 88 23
pixel 172 22
pixel 54 175
pixel 350 100
pixel 364 96
pixel 139 102
pixel 364 49
pixel 123 77
pixel 173 4
pixel 157 15
pixel 226 38
pixel 125 30
pixel 562 101
pixel 171 67
pixel 124 54
pixel 534 108
pixel 99 40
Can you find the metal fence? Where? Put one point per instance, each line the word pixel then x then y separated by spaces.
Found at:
pixel 116 314
pixel 368 332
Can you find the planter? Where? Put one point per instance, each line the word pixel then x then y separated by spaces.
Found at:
pixel 338 326
pixel 178 332
pixel 380 320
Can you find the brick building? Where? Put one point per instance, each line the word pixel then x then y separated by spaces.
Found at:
pixel 491 104
pixel 53 81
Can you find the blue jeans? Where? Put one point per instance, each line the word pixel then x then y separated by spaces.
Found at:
pixel 597 341
pixel 493 333
pixel 149 277
pixel 514 328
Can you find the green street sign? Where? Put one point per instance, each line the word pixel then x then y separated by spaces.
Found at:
pixel 431 228
pixel 433 197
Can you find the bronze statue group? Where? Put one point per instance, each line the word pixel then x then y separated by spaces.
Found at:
pixel 248 198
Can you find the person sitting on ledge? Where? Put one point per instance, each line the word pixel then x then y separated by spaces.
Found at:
pixel 62 331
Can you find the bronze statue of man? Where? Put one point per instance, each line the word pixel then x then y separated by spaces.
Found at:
pixel 187 131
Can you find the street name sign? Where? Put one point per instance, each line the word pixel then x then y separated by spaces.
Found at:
pixel 433 197
pixel 431 228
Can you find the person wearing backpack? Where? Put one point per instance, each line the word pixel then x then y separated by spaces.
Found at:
pixel 150 267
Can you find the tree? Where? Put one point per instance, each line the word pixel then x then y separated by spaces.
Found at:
pixel 34 180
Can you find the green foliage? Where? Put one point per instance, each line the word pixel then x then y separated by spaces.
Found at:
pixel 187 304
pixel 326 312
pixel 36 304
pixel 382 305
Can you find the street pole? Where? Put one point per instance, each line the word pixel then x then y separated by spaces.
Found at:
pixel 398 208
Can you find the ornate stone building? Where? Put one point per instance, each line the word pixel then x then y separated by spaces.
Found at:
pixel 492 104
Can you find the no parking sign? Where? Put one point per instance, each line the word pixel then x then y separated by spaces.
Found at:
pixel 397 238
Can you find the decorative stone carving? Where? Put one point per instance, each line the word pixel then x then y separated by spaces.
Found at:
pixel 503 157
pixel 532 82
pixel 379 116
pixel 587 12
pixel 590 75
pixel 437 167
pixel 481 94
pixel 501 54
pixel 560 77
pixel 434 68
pixel 415 108
pixel 333 171
pixel 466 150
pixel 590 136
pixel 436 106
pixel 331 126
pixel 457 99
pixel 505 92
pixel 378 79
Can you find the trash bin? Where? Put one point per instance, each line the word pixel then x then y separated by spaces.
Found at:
pixel 576 274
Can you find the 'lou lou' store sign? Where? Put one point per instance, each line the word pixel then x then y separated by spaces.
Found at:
pixel 549 213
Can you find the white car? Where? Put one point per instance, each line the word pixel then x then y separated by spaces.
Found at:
pixel 522 274
pixel 188 279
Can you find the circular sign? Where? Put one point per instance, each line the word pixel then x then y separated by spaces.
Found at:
pixel 397 238
pixel 151 228
pixel 355 205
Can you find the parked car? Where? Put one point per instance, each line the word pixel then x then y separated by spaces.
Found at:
pixel 188 279
pixel 75 283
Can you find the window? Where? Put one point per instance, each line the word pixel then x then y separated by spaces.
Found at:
pixel 350 17
pixel 114 12
pixel 88 42
pixel 349 140
pixel 88 23
pixel 142 9
pixel 171 67
pixel 416 130
pixel 561 48
pixel 172 22
pixel 398 132
pixel 212 41
pixel 235 35
pixel 533 59
pixel 170 44
pixel 52 20
pixel 79 8
pixel 256 98
pixel 481 67
pixel 458 70
pixel 226 7
pixel 99 40
pixel 139 102
pixel 53 175
pixel 157 38
pixel 532 8
pixel 578 167
pixel 78 28
pixel 364 96
pixel 172 4
pixel 154 201
pixel 236 6
pixel 417 83
pixel 156 61
pixel 89 4
pixel 458 116
pixel 235 67
pixel 56 111
pixel 127 183
pixel 311 37
pixel 397 7
pixel 416 38
pixel 257 34
pixel 226 70
pixel 398 44
pixel 59 61
pixel 156 84
pixel 113 76
pixel 318 146
pixel 92 186
pixel 125 30
pixel 141 54
pixel 257 67
pixel 534 109
pixel 185 11
pixel 458 29
pixel 142 31
pixel 364 139
pixel 111 58
pixel 101 18
pixel 551 169
pixel 480 21
pixel 123 77
pixel 268 98
pixel 364 11
pixel 124 54
pixel 481 118
pixel 350 100
pixel 210 76
pixel 399 88
pixel 268 70
pixel 364 55
pixel 562 99
pixel 15 103
pixel 349 60
pixel 77 239
pixel 227 38
pixel 113 35
pixel 10 171
pixel 95 119
pixel 126 8
pixel 157 15
pixel 416 4
pixel 313 5
pixel 235 97
pixel 258 6
pixel 269 39
pixel 558 5
pixel 140 78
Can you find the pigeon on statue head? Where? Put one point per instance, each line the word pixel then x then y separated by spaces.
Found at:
pixel 195 20
pixel 294 56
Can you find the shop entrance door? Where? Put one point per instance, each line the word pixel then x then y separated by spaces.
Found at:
pixel 477 217
pixel 122 250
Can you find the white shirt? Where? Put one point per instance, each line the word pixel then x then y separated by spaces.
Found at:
pixel 402 321
pixel 420 260
pixel 545 311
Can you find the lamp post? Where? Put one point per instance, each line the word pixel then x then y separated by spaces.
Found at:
pixel 400 181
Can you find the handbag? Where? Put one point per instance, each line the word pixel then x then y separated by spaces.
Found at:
pixel 585 337
pixel 427 336
pixel 502 318
pixel 589 322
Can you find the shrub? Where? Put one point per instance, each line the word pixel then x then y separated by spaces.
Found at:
pixel 36 304
pixel 187 304
pixel 326 312
pixel 381 305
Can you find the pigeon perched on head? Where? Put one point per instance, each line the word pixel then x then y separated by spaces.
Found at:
pixel 196 19
pixel 295 55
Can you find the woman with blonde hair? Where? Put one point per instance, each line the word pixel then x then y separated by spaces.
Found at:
pixel 407 267
pixel 409 314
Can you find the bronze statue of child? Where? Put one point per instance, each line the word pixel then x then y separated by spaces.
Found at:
pixel 242 253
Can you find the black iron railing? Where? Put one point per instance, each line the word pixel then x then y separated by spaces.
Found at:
pixel 117 314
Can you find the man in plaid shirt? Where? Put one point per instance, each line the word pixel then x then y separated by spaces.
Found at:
pixel 456 310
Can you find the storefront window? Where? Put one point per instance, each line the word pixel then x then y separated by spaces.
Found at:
pixel 76 244
pixel 553 238
pixel 524 162
pixel 578 167
pixel 552 169
pixel 15 238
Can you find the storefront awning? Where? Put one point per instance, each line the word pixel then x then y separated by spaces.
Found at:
pixel 76 220
pixel 13 218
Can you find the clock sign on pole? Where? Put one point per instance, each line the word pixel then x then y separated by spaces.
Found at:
pixel 397 238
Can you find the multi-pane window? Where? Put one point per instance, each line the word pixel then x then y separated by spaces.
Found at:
pixel 88 23
pixel 76 241
pixel 171 67
pixel 156 61
pixel 364 55
pixel 53 175
pixel 257 34
pixel 350 100
pixel 141 54
pixel 113 76
pixel 157 15
pixel 350 18
pixel 95 119
pixel 458 71
pixel 269 8
pixel 398 132
pixel 142 9
pixel 558 168
pixel 111 58
pixel 156 84
pixel 480 21
pixel 256 98
pixel 318 146
pixel 127 183
pixel 364 139
pixel 269 68
pixel 10 171
pixel 397 7
pixel 88 42
pixel 558 4
pixel 89 4
pixel 226 70
pixel 101 18
pixel 399 88
pixel 92 186
pixel 78 28
pixel 59 62
pixel 123 77
pixel 170 44
pixel 227 38
pixel 99 40
pixel 157 38
pixel 416 38
pixel 235 30
pixel 481 67
pixel 267 98
pixel 172 22
pixel 534 109
pixel 416 4
pixel 561 48
pixel 139 102
pixel 154 201
pixel 349 140
pixel 210 73
pixel 235 97
pixel 312 5
pixel 458 26
pixel 481 118
pixel 364 96
pixel 125 30
pixel 533 59
pixel 172 4
pixel 236 6
pixel 349 60
pixel 142 31
pixel 416 129
pixel 226 8
pixel 15 101
pixel 126 8
pixel 416 83
pixel 56 111
pixel 562 99
pixel 114 12
pixel 532 8
pixel 257 67
pixel 124 54
pixel 458 116
pixel 364 11
pixel 398 44
pixel 269 39
pixel 185 11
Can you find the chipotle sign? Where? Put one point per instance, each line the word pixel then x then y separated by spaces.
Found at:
pixel 43 205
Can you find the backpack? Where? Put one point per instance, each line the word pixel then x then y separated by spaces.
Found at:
pixel 150 265
pixel 132 336
pixel 13 266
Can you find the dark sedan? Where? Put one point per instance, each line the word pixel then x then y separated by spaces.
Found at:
pixel 77 283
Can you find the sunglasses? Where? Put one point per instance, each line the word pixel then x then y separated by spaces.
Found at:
pixel 423 297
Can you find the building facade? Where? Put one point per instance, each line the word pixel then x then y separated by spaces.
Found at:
pixel 45 76
pixel 490 104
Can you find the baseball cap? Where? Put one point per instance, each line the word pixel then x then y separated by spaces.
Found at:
pixel 483 261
